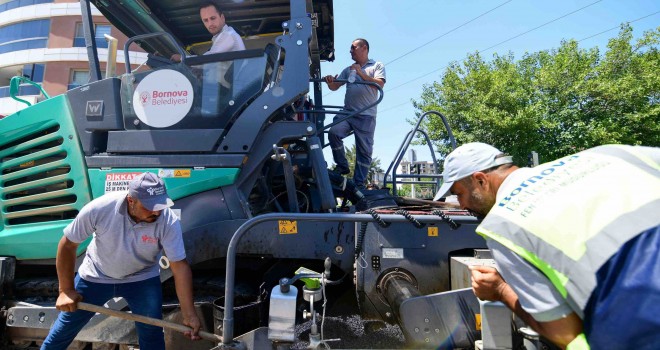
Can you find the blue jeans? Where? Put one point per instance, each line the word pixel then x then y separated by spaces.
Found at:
pixel 622 312
pixel 144 298
pixel 363 128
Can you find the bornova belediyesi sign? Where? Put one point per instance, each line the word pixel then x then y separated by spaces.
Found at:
pixel 163 98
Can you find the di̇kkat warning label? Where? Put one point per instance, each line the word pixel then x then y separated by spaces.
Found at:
pixel 118 181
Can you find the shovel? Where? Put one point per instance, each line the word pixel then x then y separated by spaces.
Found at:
pixel 147 320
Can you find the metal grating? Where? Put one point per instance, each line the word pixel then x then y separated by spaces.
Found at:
pixel 36 184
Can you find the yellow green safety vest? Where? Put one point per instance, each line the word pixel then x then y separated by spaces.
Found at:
pixel 571 215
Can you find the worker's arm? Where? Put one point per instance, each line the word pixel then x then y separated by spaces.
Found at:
pixel 332 84
pixel 365 77
pixel 65 263
pixel 487 284
pixel 184 291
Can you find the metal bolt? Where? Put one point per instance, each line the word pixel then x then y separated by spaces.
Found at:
pixel 426 320
pixel 231 102
pixel 416 330
pixel 310 129
pixel 388 314
pixel 285 24
pixel 136 121
pixel 299 25
pixel 42 317
pixel 265 107
pixel 299 42
pixel 427 340
pixel 26 318
pixel 339 249
pixel 437 330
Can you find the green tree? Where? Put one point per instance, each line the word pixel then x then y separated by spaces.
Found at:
pixel 555 102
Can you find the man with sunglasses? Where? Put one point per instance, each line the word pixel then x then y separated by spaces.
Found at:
pixel 359 97
pixel 130 232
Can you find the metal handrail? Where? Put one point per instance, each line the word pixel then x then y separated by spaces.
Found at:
pixel 230 273
pixel 349 114
pixel 404 147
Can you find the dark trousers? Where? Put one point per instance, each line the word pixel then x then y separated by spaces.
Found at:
pixel 143 297
pixel 363 128
pixel 622 312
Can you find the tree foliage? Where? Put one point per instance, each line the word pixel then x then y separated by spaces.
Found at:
pixel 554 102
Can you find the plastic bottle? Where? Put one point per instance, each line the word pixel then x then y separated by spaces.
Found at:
pixel 351 76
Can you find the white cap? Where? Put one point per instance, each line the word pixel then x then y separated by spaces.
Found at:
pixel 467 160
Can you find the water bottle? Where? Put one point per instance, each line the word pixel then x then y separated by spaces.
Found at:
pixel 351 76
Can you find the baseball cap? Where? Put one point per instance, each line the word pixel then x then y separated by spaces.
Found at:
pixel 467 160
pixel 150 190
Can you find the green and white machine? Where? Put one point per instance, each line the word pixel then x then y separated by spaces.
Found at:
pixel 239 146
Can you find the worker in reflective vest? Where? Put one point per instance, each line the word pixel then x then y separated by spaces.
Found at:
pixel 575 240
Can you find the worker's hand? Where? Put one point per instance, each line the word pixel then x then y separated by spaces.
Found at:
pixel 68 300
pixel 176 57
pixel 357 68
pixel 487 283
pixel 329 79
pixel 193 322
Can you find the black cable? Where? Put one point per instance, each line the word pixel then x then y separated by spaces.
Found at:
pixel 452 224
pixel 360 239
pixel 378 219
pixel 410 218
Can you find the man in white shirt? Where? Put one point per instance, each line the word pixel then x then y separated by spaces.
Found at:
pixel 225 38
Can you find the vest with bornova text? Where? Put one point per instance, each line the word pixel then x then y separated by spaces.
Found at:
pixel 571 215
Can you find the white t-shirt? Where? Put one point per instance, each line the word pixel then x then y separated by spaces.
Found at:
pixel 225 41
pixel 121 250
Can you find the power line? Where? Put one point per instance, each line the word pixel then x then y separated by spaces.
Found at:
pixel 394 107
pixel 542 25
pixel 589 37
pixel 438 37
pixel 500 43
pixel 617 27
pixel 450 31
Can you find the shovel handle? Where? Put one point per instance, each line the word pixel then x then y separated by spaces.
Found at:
pixel 147 320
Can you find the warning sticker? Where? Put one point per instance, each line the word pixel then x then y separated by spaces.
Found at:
pixel 478 319
pixel 433 231
pixel 288 227
pixel 118 181
pixel 174 172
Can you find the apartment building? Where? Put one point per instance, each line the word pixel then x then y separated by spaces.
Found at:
pixel 43 40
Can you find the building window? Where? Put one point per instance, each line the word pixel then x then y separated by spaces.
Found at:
pixel 99 31
pixel 34 72
pixel 24 36
pixel 79 78
pixel 12 4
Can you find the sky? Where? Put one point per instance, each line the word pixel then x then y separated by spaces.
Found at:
pixel 439 33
